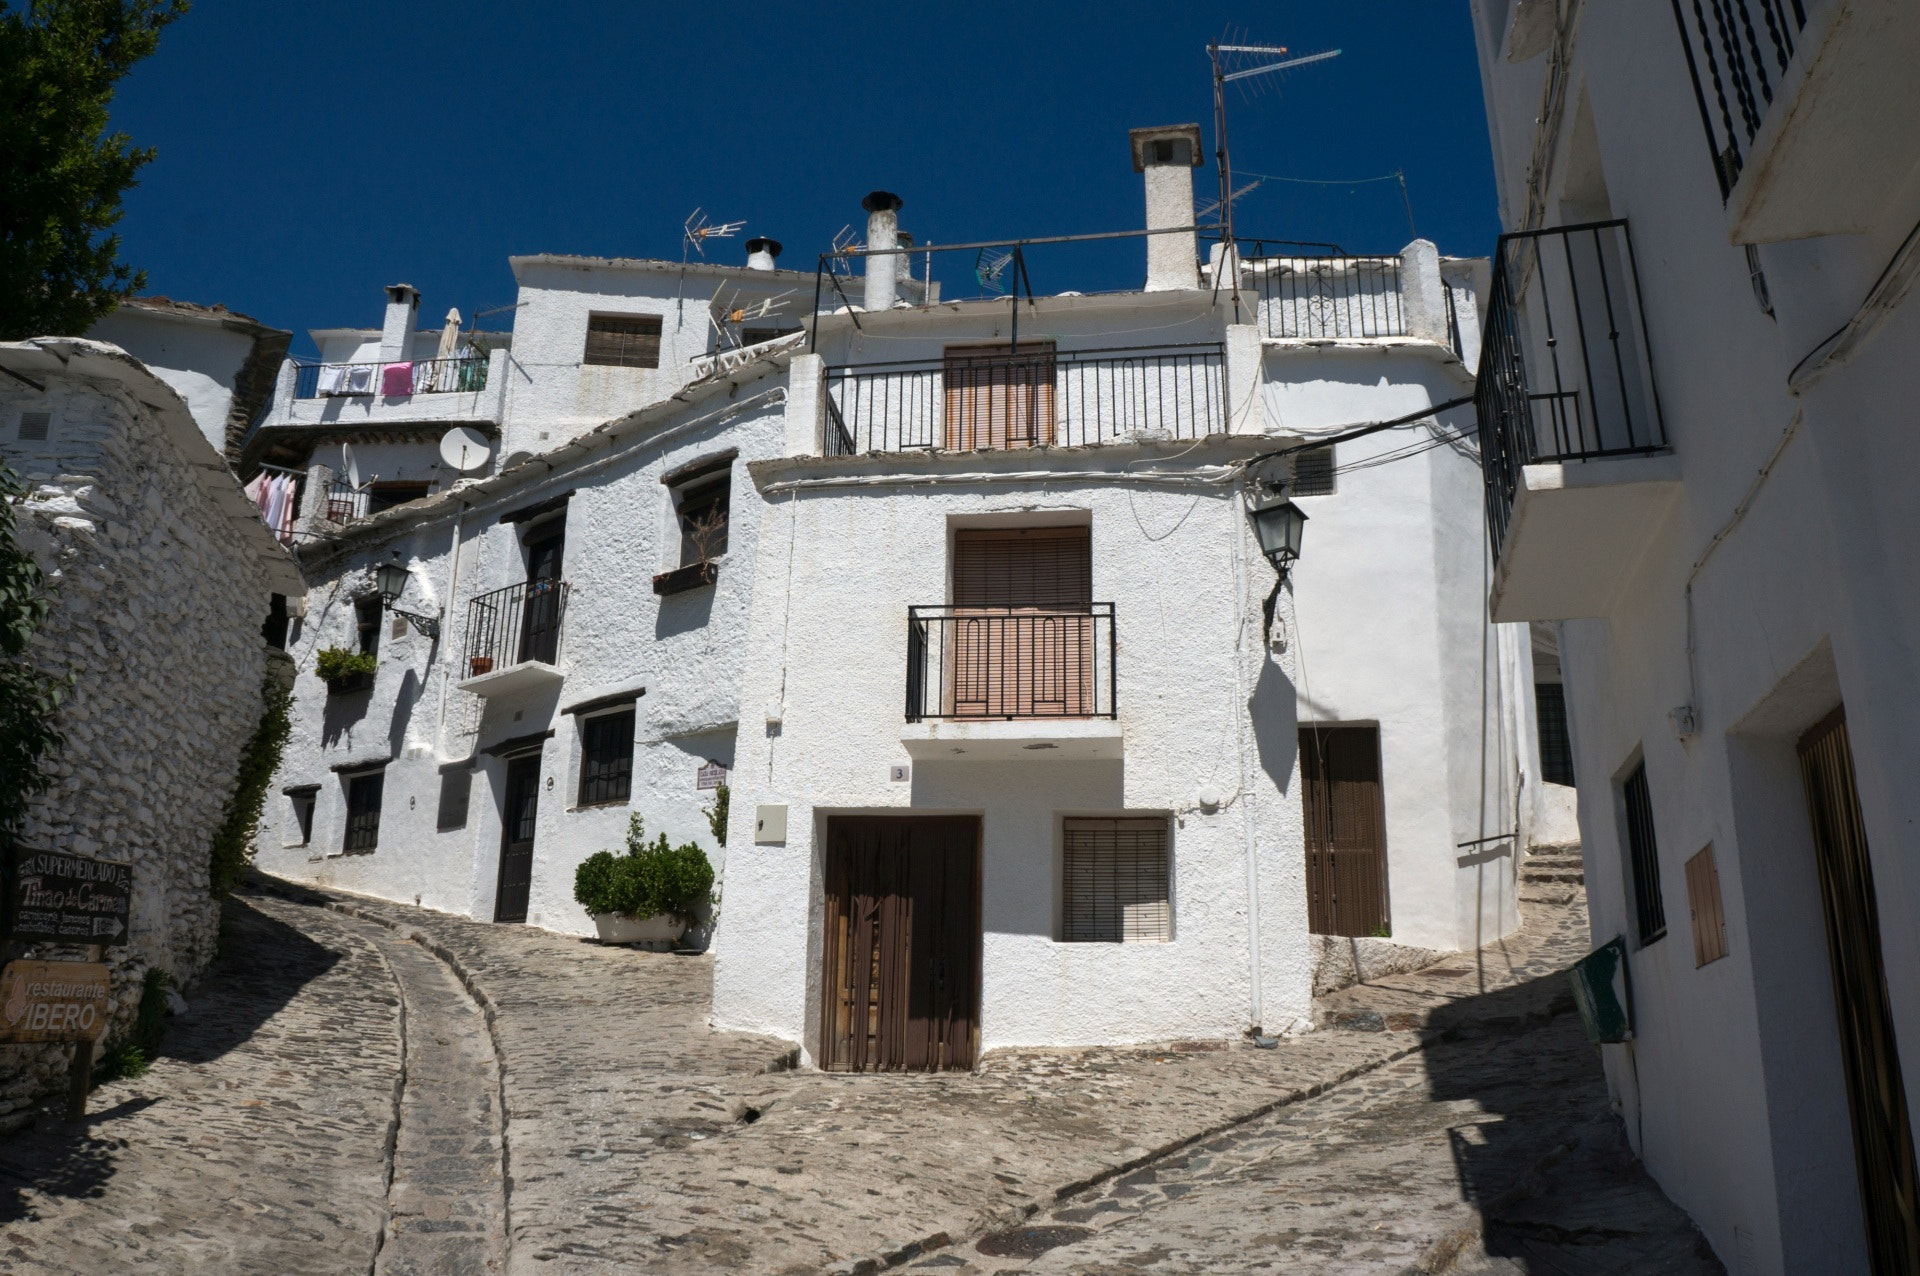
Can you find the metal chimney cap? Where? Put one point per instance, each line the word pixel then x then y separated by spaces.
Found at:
pixel 771 247
pixel 1143 140
pixel 887 201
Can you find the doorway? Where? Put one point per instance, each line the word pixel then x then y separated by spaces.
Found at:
pixel 1346 831
pixel 1870 1057
pixel 1022 640
pixel 517 820
pixel 900 985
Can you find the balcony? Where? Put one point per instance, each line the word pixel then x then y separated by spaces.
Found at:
pixel 997 399
pixel 1807 110
pixel 1325 297
pixel 513 638
pixel 1011 683
pixel 1572 443
pixel 464 375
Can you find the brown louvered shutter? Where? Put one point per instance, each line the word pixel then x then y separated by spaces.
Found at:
pixel 1346 830
pixel 1023 633
pixel 1115 880
pixel 997 399
pixel 623 341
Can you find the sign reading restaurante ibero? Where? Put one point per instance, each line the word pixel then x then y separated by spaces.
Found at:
pixel 71 898
pixel 53 1001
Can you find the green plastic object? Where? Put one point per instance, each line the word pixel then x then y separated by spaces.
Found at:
pixel 1600 991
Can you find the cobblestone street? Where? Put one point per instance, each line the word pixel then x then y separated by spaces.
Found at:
pixel 360 1087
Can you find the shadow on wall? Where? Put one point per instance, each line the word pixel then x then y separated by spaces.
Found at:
pixel 342 714
pixel 683 612
pixel 1274 709
pixel 263 964
pixel 403 702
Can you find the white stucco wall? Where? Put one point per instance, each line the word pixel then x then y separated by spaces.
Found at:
pixel 198 357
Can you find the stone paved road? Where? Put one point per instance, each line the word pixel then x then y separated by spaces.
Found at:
pixel 637 1139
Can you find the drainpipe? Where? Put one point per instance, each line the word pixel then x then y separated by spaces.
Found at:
pixel 449 662
pixel 883 232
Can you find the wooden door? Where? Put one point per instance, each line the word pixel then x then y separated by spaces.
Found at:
pixel 540 625
pixel 1346 830
pixel 900 987
pixel 1022 640
pixel 998 399
pixel 1876 1089
pixel 516 838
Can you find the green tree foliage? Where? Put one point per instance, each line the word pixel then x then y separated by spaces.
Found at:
pixel 62 175
pixel 717 813
pixel 647 880
pixel 29 698
pixel 233 840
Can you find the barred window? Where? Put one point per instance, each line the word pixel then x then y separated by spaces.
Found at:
pixel 363 811
pixel 1643 853
pixel 1556 749
pixel 1116 882
pixel 606 758
pixel 1313 472
pixel 623 341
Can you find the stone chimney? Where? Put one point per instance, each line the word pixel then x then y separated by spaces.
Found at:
pixel 761 253
pixel 396 332
pixel 1166 157
pixel 883 231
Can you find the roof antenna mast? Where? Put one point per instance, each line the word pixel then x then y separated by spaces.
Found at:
pixel 1242 62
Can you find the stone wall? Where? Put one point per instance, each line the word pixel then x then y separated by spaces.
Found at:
pixel 158 620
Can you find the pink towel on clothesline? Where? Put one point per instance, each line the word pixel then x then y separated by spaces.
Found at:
pixel 396 379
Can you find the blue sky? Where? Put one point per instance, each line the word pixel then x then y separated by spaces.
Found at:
pixel 309 154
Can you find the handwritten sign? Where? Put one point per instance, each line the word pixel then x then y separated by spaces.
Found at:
pixel 53 1001
pixel 72 898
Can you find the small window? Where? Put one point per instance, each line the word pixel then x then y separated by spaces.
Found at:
pixel 606 758
pixel 1644 857
pixel 754 336
pixel 366 615
pixel 363 811
pixel 302 803
pixel 702 505
pixel 1703 902
pixel 384 496
pixel 456 790
pixel 35 426
pixel 1556 749
pixel 623 341
pixel 274 629
pixel 1312 472
pixel 1115 879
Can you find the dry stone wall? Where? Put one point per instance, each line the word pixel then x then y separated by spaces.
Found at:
pixel 158 620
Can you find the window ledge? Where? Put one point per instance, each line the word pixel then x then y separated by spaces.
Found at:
pixel 682 579
pixel 601 806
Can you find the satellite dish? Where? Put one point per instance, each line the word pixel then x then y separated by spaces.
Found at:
pixel 465 449
pixel 348 464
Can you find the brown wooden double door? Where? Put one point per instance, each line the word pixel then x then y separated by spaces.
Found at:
pixel 901 984
pixel 1876 1087
pixel 1346 830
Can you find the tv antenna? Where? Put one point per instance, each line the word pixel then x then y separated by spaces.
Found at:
pixel 988 265
pixel 728 313
pixel 1208 208
pixel 1241 63
pixel 698 230
pixel 842 241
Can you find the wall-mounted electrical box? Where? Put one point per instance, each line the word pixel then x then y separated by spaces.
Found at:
pixel 770 823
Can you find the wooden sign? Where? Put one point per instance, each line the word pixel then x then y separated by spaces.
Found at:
pixel 71 898
pixel 53 1001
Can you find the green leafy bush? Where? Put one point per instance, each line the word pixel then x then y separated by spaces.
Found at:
pixel 647 880
pixel 233 840
pixel 717 813
pixel 344 662
pixel 133 1056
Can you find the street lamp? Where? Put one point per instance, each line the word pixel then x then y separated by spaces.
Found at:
pixel 391 579
pixel 1278 525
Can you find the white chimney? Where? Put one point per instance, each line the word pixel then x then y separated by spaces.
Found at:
pixel 883 231
pixel 1167 157
pixel 396 332
pixel 761 252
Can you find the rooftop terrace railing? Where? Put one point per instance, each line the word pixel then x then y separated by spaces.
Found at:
pixel 1324 294
pixel 977 398
pixel 462 374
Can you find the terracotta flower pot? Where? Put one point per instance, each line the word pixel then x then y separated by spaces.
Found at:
pixel 477 665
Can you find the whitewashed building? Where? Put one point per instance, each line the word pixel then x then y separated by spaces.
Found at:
pixel 999 592
pixel 1696 419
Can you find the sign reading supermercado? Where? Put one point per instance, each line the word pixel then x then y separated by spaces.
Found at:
pixel 53 1001
pixel 72 898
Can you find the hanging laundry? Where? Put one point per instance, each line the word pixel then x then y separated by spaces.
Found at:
pixel 289 506
pixel 358 379
pixel 257 492
pixel 427 376
pixel 396 379
pixel 332 379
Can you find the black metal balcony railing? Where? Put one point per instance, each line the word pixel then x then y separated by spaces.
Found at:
pixel 1032 398
pixel 1566 372
pixel 422 376
pixel 1324 295
pixel 345 502
pixel 516 624
pixel 1011 662
pixel 1743 49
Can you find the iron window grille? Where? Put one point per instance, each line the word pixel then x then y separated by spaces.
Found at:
pixel 1556 747
pixel 1115 878
pixel 364 793
pixel 1643 853
pixel 606 758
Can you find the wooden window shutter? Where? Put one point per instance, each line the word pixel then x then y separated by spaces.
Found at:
pixel 1703 901
pixel 998 399
pixel 1116 881
pixel 623 341
pixel 1023 567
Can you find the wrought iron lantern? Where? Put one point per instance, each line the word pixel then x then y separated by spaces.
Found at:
pixel 1278 525
pixel 391 580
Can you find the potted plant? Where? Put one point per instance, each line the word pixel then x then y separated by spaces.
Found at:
pixel 706 536
pixel 477 665
pixel 345 670
pixel 648 894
